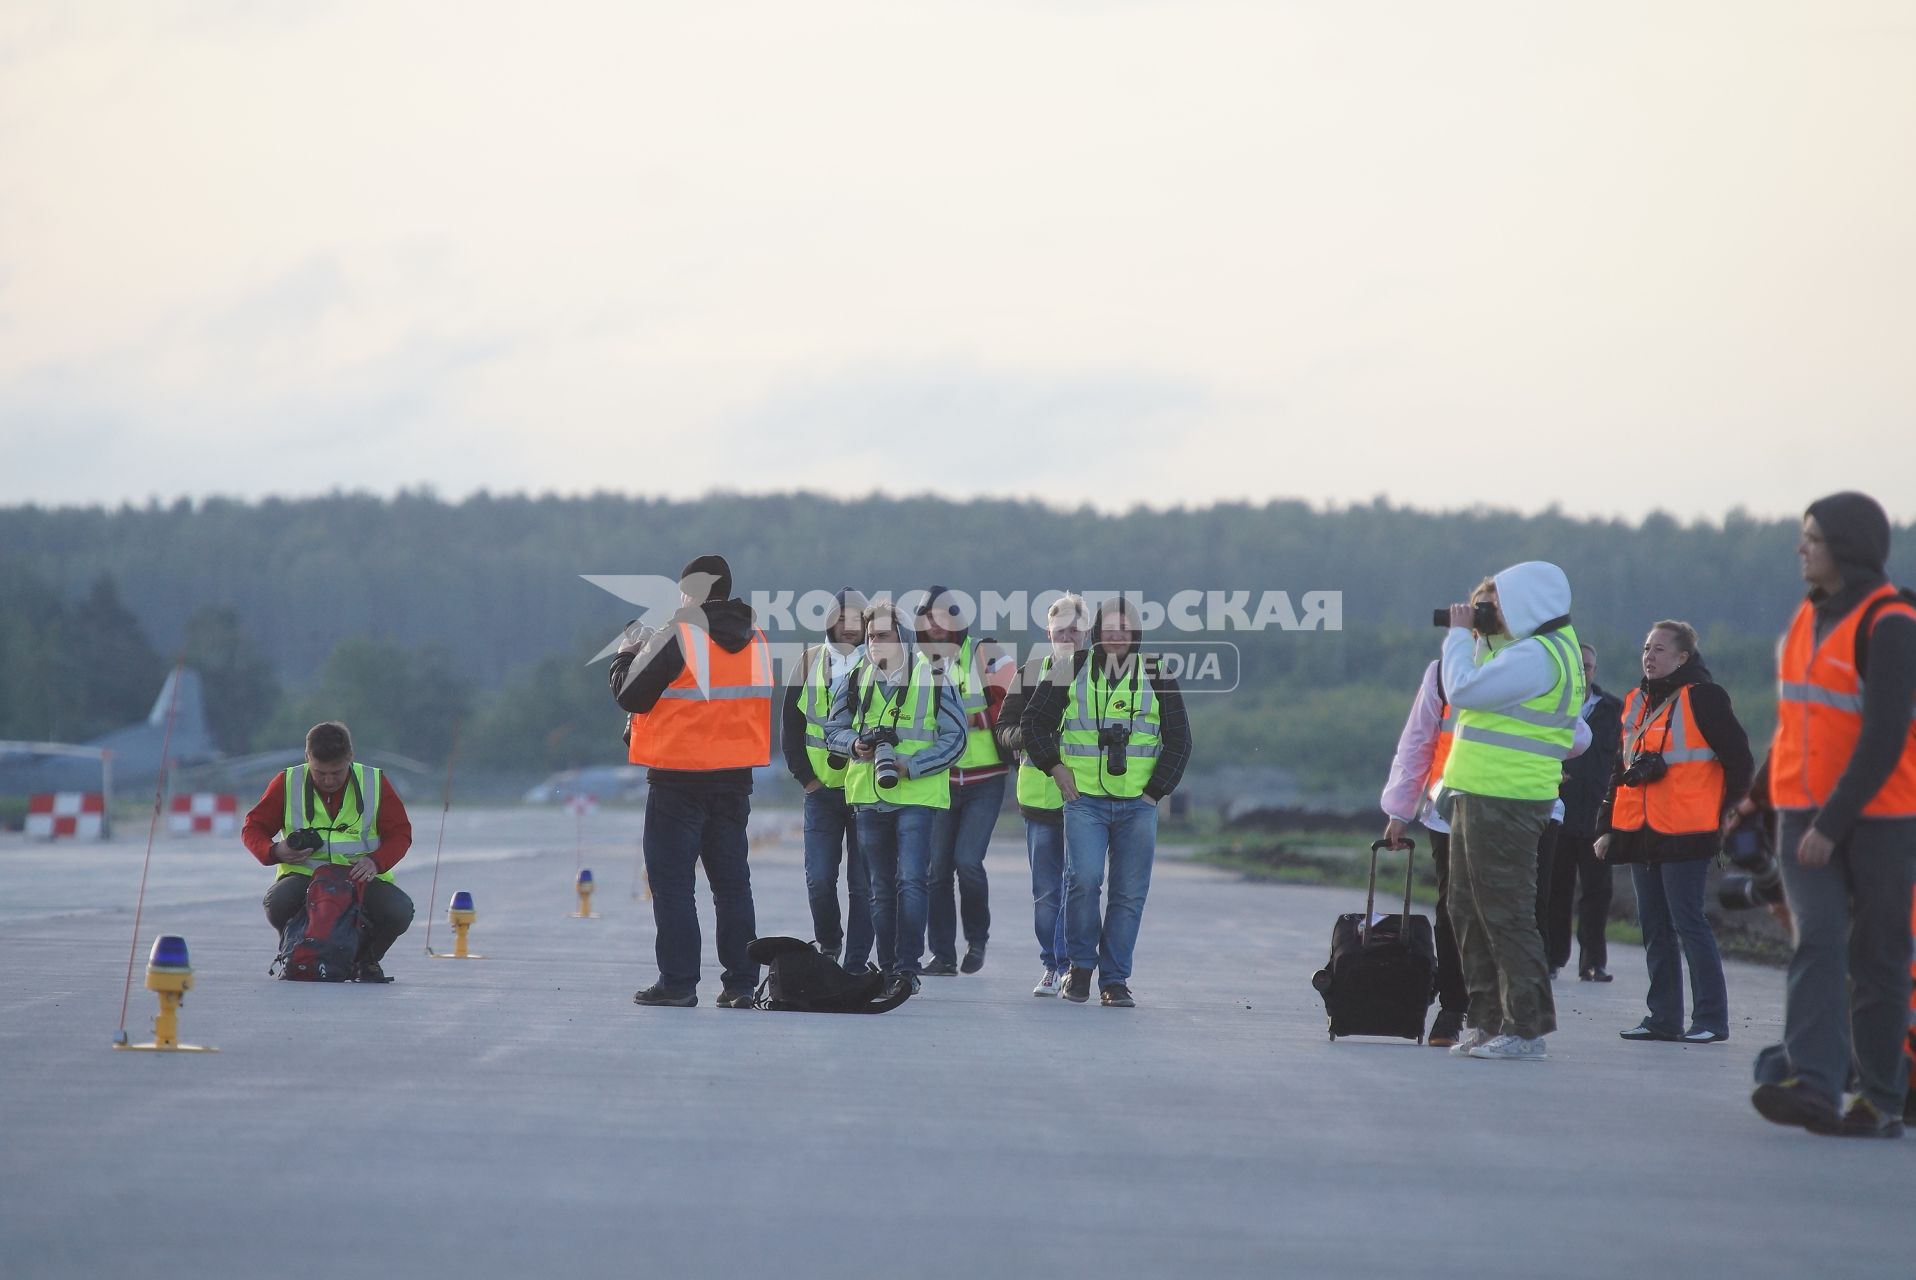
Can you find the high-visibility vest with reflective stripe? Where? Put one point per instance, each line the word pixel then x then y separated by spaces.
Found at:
pixel 1036 788
pixel 349 836
pixel 913 712
pixel 1440 755
pixel 1819 715
pixel 1096 702
pixel 1518 753
pixel 815 700
pixel 716 714
pixel 981 749
pixel 1687 800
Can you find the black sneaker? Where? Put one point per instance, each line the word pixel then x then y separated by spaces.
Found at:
pixel 1117 996
pixel 974 959
pixel 369 971
pixel 1077 986
pixel 735 1000
pixel 1863 1120
pixel 1596 975
pixel 1795 1103
pixel 1445 1030
pixel 1644 1031
pixel 939 969
pixel 897 980
pixel 656 994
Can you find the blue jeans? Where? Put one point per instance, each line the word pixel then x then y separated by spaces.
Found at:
pixel 897 845
pixel 1670 908
pixel 682 829
pixel 828 827
pixel 959 837
pixel 1044 846
pixel 1125 832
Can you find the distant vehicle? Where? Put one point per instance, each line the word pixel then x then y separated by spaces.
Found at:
pixel 127 757
pixel 601 782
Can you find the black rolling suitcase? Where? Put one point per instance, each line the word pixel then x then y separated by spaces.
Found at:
pixel 1381 977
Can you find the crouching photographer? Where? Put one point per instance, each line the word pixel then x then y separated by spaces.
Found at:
pixel 1684 756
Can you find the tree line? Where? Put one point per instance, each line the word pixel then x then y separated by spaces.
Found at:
pixel 410 615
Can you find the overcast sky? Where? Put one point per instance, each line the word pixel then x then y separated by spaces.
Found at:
pixel 1612 256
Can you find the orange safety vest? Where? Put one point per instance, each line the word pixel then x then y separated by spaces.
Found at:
pixel 716 715
pixel 1819 715
pixel 1446 732
pixel 1686 801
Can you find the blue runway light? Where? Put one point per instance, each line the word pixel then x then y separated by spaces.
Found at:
pixel 462 901
pixel 169 952
pixel 585 876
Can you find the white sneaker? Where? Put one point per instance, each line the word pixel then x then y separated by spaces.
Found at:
pixel 1470 1039
pixel 1512 1049
pixel 1047 985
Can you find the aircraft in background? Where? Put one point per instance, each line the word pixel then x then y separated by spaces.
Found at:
pixel 127 757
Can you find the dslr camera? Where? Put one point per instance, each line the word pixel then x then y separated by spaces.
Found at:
pixel 1645 769
pixel 1483 618
pixel 1113 739
pixel 305 840
pixel 883 740
pixel 1748 848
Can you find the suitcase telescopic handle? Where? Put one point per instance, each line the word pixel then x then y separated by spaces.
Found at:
pixel 1409 846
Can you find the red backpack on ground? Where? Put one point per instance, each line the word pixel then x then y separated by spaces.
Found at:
pixel 321 943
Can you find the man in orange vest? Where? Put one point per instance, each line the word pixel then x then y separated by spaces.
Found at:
pixel 699 691
pixel 1842 778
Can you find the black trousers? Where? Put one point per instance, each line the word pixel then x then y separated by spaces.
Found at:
pixel 1576 861
pixel 388 911
pixel 1452 994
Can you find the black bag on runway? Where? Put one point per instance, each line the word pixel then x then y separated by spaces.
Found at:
pixel 800 980
pixel 1382 974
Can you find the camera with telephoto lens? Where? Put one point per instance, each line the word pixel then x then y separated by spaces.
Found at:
pixel 305 840
pixel 1645 769
pixel 1483 618
pixel 884 744
pixel 1114 738
pixel 1748 847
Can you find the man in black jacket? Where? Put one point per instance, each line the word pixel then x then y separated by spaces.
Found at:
pixel 1586 780
pixel 696 813
pixel 1848 872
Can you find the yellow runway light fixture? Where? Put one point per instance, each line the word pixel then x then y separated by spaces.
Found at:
pixel 169 975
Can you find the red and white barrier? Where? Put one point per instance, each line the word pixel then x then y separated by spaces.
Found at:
pixel 203 813
pixel 63 815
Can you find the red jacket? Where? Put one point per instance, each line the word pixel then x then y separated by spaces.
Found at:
pixel 268 817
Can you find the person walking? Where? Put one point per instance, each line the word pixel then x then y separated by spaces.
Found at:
pixel 1682 756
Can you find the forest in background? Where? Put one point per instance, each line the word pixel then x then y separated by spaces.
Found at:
pixel 406 615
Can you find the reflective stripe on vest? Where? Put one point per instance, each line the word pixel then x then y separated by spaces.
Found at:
pixel 815 700
pixel 1440 755
pixel 349 835
pixel 1819 715
pixel 981 749
pixel 716 714
pixel 1518 753
pixel 1686 801
pixel 1095 703
pixel 914 715
pixel 1036 788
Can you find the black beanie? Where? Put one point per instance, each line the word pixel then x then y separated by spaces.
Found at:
pixel 1856 529
pixel 715 571
pixel 848 600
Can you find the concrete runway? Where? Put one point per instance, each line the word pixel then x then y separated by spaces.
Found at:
pixel 520 1116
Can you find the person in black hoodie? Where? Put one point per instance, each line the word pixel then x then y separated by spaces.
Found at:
pixel 1683 761
pixel 1841 776
pixel 1586 782
pixel 696 814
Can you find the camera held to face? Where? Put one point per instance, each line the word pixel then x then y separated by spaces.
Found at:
pixel 1113 739
pixel 1483 618
pixel 1645 769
